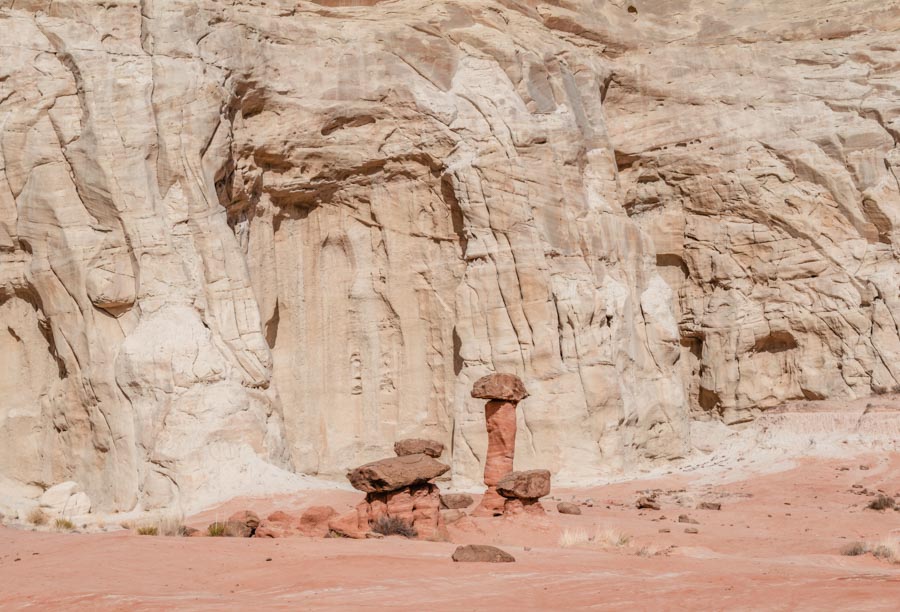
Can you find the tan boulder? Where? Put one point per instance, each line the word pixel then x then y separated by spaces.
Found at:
pixel 481 553
pixel 530 484
pixel 395 473
pixel 507 387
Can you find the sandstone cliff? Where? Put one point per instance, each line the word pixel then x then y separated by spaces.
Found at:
pixel 243 237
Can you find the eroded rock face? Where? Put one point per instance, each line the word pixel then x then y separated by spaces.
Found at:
pixel 240 237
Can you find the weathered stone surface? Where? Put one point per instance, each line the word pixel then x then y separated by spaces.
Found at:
pixel 529 484
pixel 481 553
pixel 215 266
pixel 415 446
pixel 500 420
pixel 395 473
pixel 508 387
pixel 314 521
pixel 279 524
pixel 567 508
pixel 418 506
pixel 454 501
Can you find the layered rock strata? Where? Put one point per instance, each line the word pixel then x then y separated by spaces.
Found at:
pixel 248 237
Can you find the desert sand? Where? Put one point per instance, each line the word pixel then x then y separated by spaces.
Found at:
pixel 775 544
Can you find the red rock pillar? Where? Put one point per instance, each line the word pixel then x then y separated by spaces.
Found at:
pixel 503 392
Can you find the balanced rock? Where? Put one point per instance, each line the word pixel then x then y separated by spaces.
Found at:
pixel 530 484
pixel 481 553
pixel 415 446
pixel 456 501
pixel 506 387
pixel 395 473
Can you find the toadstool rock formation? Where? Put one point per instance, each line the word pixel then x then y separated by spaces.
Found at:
pixel 522 491
pixel 503 392
pixel 397 487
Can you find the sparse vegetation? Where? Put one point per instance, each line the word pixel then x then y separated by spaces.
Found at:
pixel 882 502
pixel 571 538
pixel 334 534
pixel 64 524
pixel 148 530
pixel 392 525
pixel 37 517
pixel 605 537
pixel 216 530
pixel 888 550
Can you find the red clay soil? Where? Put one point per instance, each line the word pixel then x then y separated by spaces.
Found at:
pixel 774 545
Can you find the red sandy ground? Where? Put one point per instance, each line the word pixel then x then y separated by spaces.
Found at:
pixel 774 545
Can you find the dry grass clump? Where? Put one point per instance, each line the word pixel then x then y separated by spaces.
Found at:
pixel 148 530
pixel 161 526
pixel 37 517
pixel 393 525
pixel 605 537
pixel 64 524
pixel 216 530
pixel 882 502
pixel 888 550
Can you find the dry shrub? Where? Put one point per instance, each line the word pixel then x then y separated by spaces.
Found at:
pixel 888 550
pixel 216 530
pixel 64 524
pixel 611 538
pixel 148 530
pixel 37 517
pixel 882 502
pixel 571 538
pixel 394 525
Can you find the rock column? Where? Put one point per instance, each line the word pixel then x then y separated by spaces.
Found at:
pixel 503 392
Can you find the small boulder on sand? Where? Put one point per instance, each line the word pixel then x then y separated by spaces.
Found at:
pixel 481 553
pixel 416 446
pixel 647 503
pixel 567 508
pixel 530 484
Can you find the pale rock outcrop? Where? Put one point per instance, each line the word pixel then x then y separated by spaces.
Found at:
pixel 249 237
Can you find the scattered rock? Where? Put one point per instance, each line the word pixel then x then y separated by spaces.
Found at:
pixel 530 484
pixel 507 387
pixel 864 467
pixel 647 503
pixel 684 518
pixel 481 553
pixel 567 508
pixel 235 529
pixel 247 518
pixel 665 530
pixel 710 506
pixel 416 446
pixel 374 535
pixel 395 473
pixel 456 501
pixel 314 521
pixel 190 532
pixel 691 530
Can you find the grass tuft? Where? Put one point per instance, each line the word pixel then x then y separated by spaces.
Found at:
pixel 64 524
pixel 148 530
pixel 216 530
pixel 37 517
pixel 393 525
pixel 882 502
